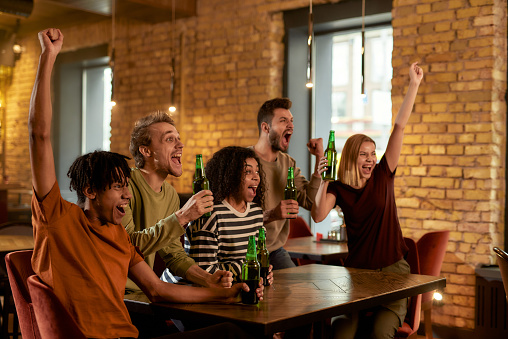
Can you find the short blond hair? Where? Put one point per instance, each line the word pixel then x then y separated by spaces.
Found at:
pixel 348 170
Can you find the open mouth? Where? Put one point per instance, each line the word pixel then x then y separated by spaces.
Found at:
pixel 177 158
pixel 253 189
pixel 367 169
pixel 121 208
pixel 286 137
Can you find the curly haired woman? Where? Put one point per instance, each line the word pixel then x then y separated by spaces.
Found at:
pixel 220 242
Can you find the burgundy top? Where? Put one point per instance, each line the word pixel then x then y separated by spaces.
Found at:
pixel 373 231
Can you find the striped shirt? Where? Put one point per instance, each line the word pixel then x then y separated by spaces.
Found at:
pixel 220 242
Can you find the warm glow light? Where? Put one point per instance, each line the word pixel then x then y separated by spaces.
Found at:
pixel 438 296
pixel 172 109
pixel 113 104
pixel 309 84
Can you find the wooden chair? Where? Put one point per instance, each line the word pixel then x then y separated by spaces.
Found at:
pixel 412 320
pixel 54 320
pixel 19 268
pixel 300 228
pixel 431 251
pixel 502 261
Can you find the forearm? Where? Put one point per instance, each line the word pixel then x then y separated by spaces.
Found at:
pixel 198 276
pixel 320 209
pixel 307 190
pixel 269 216
pixel 39 126
pixel 156 237
pixel 157 290
pixel 407 105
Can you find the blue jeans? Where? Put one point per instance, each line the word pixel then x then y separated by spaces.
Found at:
pixel 280 259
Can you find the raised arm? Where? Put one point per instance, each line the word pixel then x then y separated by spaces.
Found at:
pixel 394 147
pixel 323 204
pixel 40 115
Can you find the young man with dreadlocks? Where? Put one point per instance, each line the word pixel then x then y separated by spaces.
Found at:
pixel 82 251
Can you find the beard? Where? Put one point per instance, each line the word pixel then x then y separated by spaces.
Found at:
pixel 274 139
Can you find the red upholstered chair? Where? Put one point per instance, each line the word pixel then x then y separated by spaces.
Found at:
pixel 412 320
pixel 299 228
pixel 54 320
pixel 502 261
pixel 19 268
pixel 431 250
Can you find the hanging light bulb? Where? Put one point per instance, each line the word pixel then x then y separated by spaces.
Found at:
pixel 363 51
pixel 112 60
pixel 310 39
pixel 172 107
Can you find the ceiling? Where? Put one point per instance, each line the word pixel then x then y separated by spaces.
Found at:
pixel 35 15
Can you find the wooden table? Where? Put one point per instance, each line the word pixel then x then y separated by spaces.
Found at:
pixel 11 243
pixel 323 252
pixel 301 295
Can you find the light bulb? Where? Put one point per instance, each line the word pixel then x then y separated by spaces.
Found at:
pixel 438 296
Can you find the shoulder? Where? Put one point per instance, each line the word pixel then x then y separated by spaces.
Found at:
pixel 382 167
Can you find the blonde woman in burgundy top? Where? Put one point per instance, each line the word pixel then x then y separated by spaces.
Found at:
pixel 365 193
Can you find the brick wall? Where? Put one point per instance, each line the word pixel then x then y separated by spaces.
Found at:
pixel 452 169
pixel 230 58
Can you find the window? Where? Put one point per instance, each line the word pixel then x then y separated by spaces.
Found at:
pixel 82 111
pixel 336 102
pixel 344 109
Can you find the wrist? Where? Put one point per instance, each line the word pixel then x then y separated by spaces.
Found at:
pixel 182 219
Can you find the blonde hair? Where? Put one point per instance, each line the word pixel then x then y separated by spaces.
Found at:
pixel 348 169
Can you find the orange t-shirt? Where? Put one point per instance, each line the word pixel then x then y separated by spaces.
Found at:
pixel 85 263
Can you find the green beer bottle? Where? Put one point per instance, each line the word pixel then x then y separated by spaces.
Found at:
pixel 263 256
pixel 290 191
pixel 251 273
pixel 200 181
pixel 331 155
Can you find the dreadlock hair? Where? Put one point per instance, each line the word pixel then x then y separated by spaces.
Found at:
pixel 225 171
pixel 98 170
pixel 265 113
pixel 140 135
pixel 348 172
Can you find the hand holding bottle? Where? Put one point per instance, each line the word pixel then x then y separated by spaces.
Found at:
pixel 195 207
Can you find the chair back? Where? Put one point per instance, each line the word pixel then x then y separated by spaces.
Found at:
pixel 299 228
pixel 412 320
pixel 431 250
pixel 502 261
pixel 19 268
pixel 54 320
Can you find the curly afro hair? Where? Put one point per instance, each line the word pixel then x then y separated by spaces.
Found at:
pixel 99 170
pixel 225 171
